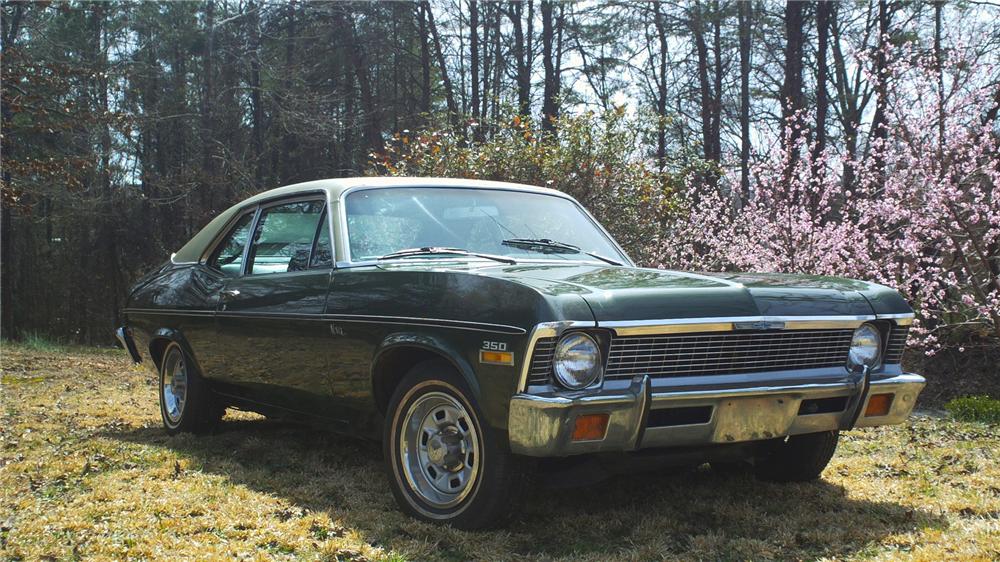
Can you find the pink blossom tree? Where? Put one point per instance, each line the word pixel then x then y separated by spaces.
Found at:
pixel 922 214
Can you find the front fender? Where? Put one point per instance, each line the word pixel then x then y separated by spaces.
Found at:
pixel 491 385
pixel 435 344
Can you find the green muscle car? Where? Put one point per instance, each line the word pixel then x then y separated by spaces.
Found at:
pixel 474 326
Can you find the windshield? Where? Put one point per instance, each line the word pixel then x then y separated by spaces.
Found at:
pixel 383 221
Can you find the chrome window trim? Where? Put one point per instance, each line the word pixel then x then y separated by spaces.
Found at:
pixel 727 324
pixel 254 224
pixel 310 195
pixel 263 206
pixel 344 258
pixel 224 232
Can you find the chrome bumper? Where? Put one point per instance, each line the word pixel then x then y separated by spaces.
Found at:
pixel 542 424
pixel 124 336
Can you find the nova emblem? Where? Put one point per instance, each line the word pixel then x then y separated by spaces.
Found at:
pixel 759 325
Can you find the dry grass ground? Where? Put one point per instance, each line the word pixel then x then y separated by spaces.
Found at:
pixel 86 473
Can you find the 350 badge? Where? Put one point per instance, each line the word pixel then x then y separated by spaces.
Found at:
pixel 495 353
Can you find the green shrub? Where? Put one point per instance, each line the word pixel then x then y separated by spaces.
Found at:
pixel 39 342
pixel 593 157
pixel 975 408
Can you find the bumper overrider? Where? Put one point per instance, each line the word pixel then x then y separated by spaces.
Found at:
pixel 124 336
pixel 649 413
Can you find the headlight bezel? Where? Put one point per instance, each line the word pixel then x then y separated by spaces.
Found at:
pixel 868 329
pixel 596 365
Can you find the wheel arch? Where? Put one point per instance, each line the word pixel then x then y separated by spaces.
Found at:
pixel 161 339
pixel 399 352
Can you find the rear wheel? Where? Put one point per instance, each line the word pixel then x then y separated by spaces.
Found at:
pixel 799 458
pixel 445 466
pixel 186 402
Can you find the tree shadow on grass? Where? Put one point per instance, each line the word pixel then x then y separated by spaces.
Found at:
pixel 662 514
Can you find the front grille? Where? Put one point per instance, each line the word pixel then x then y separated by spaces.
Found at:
pixel 541 361
pixel 896 345
pixel 718 353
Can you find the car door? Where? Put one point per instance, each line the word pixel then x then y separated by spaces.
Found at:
pixel 269 318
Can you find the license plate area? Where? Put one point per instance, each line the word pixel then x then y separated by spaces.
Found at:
pixel 752 419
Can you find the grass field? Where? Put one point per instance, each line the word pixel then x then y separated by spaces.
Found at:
pixel 87 473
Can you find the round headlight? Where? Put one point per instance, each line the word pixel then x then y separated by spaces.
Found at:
pixel 577 361
pixel 866 346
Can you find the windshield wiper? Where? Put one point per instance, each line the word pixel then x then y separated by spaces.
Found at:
pixel 435 250
pixel 546 246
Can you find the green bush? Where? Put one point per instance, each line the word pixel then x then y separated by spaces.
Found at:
pixel 40 342
pixel 975 408
pixel 592 157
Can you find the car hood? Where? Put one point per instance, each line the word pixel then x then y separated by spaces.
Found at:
pixel 629 293
pixel 626 293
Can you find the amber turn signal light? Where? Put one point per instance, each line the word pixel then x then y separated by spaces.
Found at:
pixel 496 357
pixel 591 427
pixel 878 405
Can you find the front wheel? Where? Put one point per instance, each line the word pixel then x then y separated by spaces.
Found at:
pixel 445 466
pixel 799 458
pixel 186 402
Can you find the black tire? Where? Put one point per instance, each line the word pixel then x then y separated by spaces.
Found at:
pixel 798 459
pixel 498 483
pixel 199 411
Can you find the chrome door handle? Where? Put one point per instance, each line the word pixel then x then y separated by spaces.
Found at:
pixel 230 294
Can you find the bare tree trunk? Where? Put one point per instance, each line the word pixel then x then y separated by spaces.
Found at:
pixel 939 62
pixel 705 88
pixel 746 21
pixel 425 59
pixel 550 109
pixel 823 10
pixel 487 62
pixel 449 90
pixel 498 63
pixel 289 141
pixel 373 127
pixel 474 60
pixel 256 103
pixel 515 12
pixel 661 87
pixel 394 10
pixel 849 113
pixel 207 108
pixel 717 94
pixel 529 53
pixel 791 94
pixel 108 267
pixel 792 97
pixel 879 132
pixel 11 31
pixel 356 53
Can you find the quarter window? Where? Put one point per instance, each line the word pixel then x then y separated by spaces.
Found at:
pixel 228 256
pixel 284 238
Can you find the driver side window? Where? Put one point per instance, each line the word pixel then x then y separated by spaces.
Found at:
pixel 284 237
